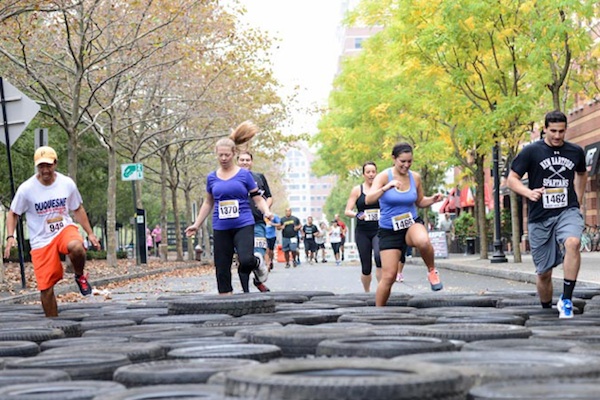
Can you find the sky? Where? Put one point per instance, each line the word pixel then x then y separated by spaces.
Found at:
pixel 306 56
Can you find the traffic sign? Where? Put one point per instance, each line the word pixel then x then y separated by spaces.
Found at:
pixel 132 172
pixel 20 110
pixel 40 138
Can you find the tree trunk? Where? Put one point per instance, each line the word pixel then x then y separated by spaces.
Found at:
pixel 72 155
pixel 163 198
pixel 480 207
pixel 188 213
pixel 177 224
pixel 516 226
pixel 111 207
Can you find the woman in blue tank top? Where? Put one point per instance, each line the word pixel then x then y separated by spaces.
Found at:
pixel 399 192
pixel 229 191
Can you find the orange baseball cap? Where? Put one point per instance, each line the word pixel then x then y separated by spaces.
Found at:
pixel 44 155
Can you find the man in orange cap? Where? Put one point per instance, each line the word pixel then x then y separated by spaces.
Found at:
pixel 46 199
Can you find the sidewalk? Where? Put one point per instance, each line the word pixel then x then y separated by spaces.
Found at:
pixel 589 273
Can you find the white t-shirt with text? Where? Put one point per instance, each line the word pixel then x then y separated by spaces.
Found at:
pixel 46 207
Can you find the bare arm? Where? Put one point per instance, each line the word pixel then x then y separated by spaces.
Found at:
pixel 516 185
pixel 205 210
pixel 11 224
pixel 262 205
pixel 82 219
pixel 351 203
pixel 422 200
pixel 580 182
pixel 380 185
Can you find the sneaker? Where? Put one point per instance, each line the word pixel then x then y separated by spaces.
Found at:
pixel 261 272
pixel 261 286
pixel 338 262
pixel 399 277
pixel 324 261
pixel 342 256
pixel 298 262
pixel 295 264
pixel 84 286
pixel 434 280
pixel 271 266
pixel 565 308
pixel 287 265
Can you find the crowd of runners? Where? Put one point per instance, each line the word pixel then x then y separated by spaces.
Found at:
pixel 385 207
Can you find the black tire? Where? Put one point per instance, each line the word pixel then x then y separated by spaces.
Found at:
pixel 530 344
pixel 304 306
pixel 437 312
pixel 135 352
pixel 171 344
pixel 344 378
pixel 551 320
pixel 168 392
pixel 81 390
pixel 196 319
pixel 79 366
pixel 232 305
pixel 18 348
pixel 192 332
pixel 548 389
pixel 395 300
pixel 82 341
pixel 377 310
pixel 483 319
pixel 20 376
pixel 312 317
pixel 229 328
pixel 169 372
pixel 137 314
pixel 381 346
pixel 269 317
pixel 492 366
pixel 301 341
pixel 338 301
pixel 129 331
pixel 387 319
pixel 305 293
pixel 104 323
pixel 259 352
pixel 70 328
pixel 451 301
pixel 472 332
pixel 31 334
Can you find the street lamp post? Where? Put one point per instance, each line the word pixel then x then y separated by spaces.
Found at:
pixel 498 256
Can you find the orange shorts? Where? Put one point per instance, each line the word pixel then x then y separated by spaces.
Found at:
pixel 46 260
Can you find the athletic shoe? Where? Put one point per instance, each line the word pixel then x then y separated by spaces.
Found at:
pixel 261 286
pixel 338 263
pixel 270 266
pixel 399 277
pixel 295 264
pixel 342 256
pixel 84 286
pixel 261 272
pixel 434 280
pixel 298 262
pixel 287 265
pixel 565 308
pixel 324 261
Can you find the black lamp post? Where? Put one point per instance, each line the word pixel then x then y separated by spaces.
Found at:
pixel 498 256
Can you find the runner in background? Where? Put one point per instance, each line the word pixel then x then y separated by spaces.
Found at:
pixel 245 160
pixel 321 241
pixel 290 225
pixel 271 231
pixel 367 225
pixel 335 239
pixel 310 233
pixel 344 230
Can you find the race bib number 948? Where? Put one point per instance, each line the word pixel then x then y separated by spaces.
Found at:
pixel 54 225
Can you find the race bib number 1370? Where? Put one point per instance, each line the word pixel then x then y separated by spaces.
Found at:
pixel 229 209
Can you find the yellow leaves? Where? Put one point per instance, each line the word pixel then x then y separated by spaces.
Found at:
pixel 469 24
pixel 380 112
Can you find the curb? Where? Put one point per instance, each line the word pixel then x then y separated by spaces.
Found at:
pixel 63 289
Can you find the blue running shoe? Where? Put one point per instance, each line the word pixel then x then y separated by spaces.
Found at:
pixel 565 308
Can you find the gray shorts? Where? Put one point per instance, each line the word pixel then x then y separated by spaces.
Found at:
pixel 547 238
pixel 289 244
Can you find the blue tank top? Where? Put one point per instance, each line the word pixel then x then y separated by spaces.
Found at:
pixel 394 204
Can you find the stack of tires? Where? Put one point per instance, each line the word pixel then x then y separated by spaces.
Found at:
pixel 303 345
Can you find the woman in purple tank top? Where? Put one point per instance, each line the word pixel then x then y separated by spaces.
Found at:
pixel 229 191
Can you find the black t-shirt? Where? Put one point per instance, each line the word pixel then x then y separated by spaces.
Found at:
pixel 309 231
pixel 553 168
pixel 265 192
pixel 288 224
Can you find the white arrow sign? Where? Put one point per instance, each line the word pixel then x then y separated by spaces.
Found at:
pixel 20 110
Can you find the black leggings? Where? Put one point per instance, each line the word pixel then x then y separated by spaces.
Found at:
pixel 241 239
pixel 367 243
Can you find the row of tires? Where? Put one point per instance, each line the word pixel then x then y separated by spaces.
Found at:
pixel 303 345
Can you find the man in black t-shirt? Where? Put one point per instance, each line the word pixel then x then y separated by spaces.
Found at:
pixel 290 226
pixel 557 177
pixel 309 232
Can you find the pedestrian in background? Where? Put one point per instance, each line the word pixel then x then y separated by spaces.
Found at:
pixel 227 191
pixel 335 239
pixel 157 235
pixel 447 226
pixel 321 241
pixel 344 230
pixel 399 192
pixel 47 199
pixel 557 176
pixel 367 225
pixel 149 241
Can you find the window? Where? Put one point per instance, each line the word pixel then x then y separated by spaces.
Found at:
pixel 358 43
